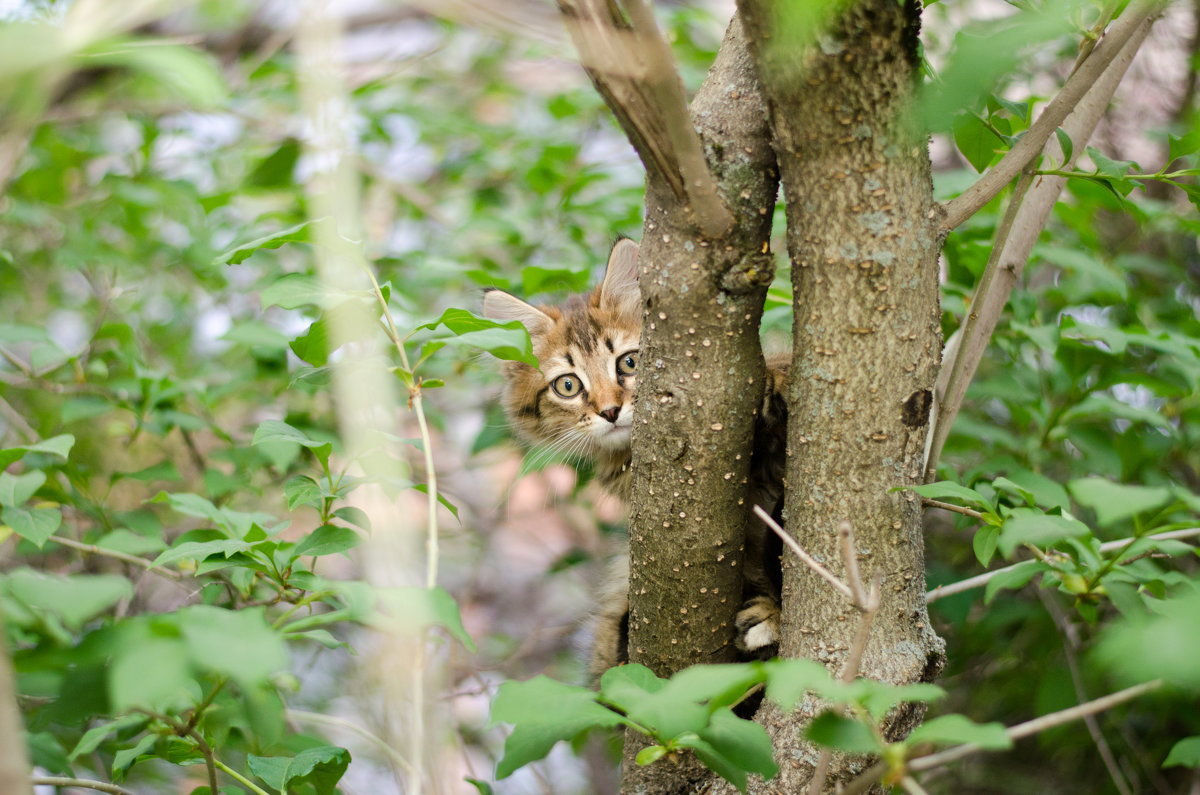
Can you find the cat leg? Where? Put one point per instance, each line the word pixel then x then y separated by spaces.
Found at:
pixel 757 625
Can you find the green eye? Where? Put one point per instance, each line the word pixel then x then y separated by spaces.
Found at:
pixel 627 364
pixel 567 386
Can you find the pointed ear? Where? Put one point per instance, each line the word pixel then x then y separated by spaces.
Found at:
pixel 502 307
pixel 619 289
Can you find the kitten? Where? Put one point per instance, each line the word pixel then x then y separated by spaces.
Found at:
pixel 582 401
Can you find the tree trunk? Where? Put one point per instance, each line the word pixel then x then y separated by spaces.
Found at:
pixel 863 243
pixel 700 381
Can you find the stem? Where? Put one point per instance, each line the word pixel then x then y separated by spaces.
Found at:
pixel 946 506
pixel 239 778
pixel 112 553
pixel 824 573
pixel 1040 724
pixel 981 580
pixel 60 781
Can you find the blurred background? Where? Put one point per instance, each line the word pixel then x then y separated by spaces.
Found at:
pixel 135 157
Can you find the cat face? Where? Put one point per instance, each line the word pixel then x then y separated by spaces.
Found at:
pixel 581 401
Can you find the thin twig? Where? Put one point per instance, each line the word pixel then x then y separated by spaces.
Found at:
pixel 824 573
pixel 980 580
pixel 61 781
pixel 946 506
pixel 1039 724
pixel 183 730
pixel 1070 641
pixel 1031 143
pixel 911 786
pixel 850 558
pixel 239 778
pixel 123 556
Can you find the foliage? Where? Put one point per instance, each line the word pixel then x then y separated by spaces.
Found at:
pixel 176 505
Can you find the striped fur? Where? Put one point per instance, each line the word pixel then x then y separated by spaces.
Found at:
pixel 585 345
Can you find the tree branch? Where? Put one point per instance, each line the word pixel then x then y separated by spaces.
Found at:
pixel 1028 212
pixel 1079 84
pixel 60 781
pixel 122 556
pixel 632 67
pixel 808 559
pixel 980 580
pixel 1039 724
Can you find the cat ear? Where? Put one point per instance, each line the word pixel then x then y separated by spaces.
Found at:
pixel 619 290
pixel 502 307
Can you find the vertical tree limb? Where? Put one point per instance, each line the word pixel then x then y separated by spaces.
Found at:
pixel 863 239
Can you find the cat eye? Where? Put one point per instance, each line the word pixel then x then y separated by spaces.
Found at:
pixel 627 364
pixel 567 386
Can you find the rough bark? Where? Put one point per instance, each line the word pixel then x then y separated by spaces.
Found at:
pixel 863 242
pixel 700 376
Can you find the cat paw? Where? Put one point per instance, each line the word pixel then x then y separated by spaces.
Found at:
pixel 758 627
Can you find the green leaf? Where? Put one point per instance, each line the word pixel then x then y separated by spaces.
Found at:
pixel 1039 529
pixel 984 543
pixel 482 787
pixel 276 169
pixel 279 431
pixel 303 490
pixel 299 233
pixel 239 644
pixel 957 729
pixel 127 757
pixel 355 516
pixel 1064 143
pixel 650 754
pixel 94 736
pixel 544 712
pixel 57 445
pixel 836 731
pixel 35 525
pixel 186 72
pixel 1013 577
pixel 1108 167
pixel 1115 502
pixel 789 680
pixel 75 600
pixel 975 140
pixel 328 539
pixel 255 334
pixel 742 742
pixel 200 550
pixel 508 341
pixel 16 489
pixel 449 506
pixel 1185 753
pixel 320 767
pixel 1163 645
pixel 413 608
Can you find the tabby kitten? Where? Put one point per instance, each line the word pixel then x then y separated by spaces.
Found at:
pixel 582 401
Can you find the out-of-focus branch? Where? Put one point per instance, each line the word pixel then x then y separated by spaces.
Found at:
pixel 1028 212
pixel 632 67
pixel 1081 83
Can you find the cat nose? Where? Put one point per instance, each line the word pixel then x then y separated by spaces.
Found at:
pixel 611 413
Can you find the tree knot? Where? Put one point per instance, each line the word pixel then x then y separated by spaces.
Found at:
pixel 750 273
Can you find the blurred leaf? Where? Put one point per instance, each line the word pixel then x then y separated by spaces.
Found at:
pixel 1185 753
pixel 1115 502
pixel 975 140
pixel 189 73
pixel 544 712
pixel 835 731
pixel 957 730
pixel 278 293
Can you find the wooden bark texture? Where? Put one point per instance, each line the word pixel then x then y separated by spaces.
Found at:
pixel 863 242
pixel 700 382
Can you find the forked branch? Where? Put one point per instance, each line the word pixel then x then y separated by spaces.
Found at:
pixel 631 65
